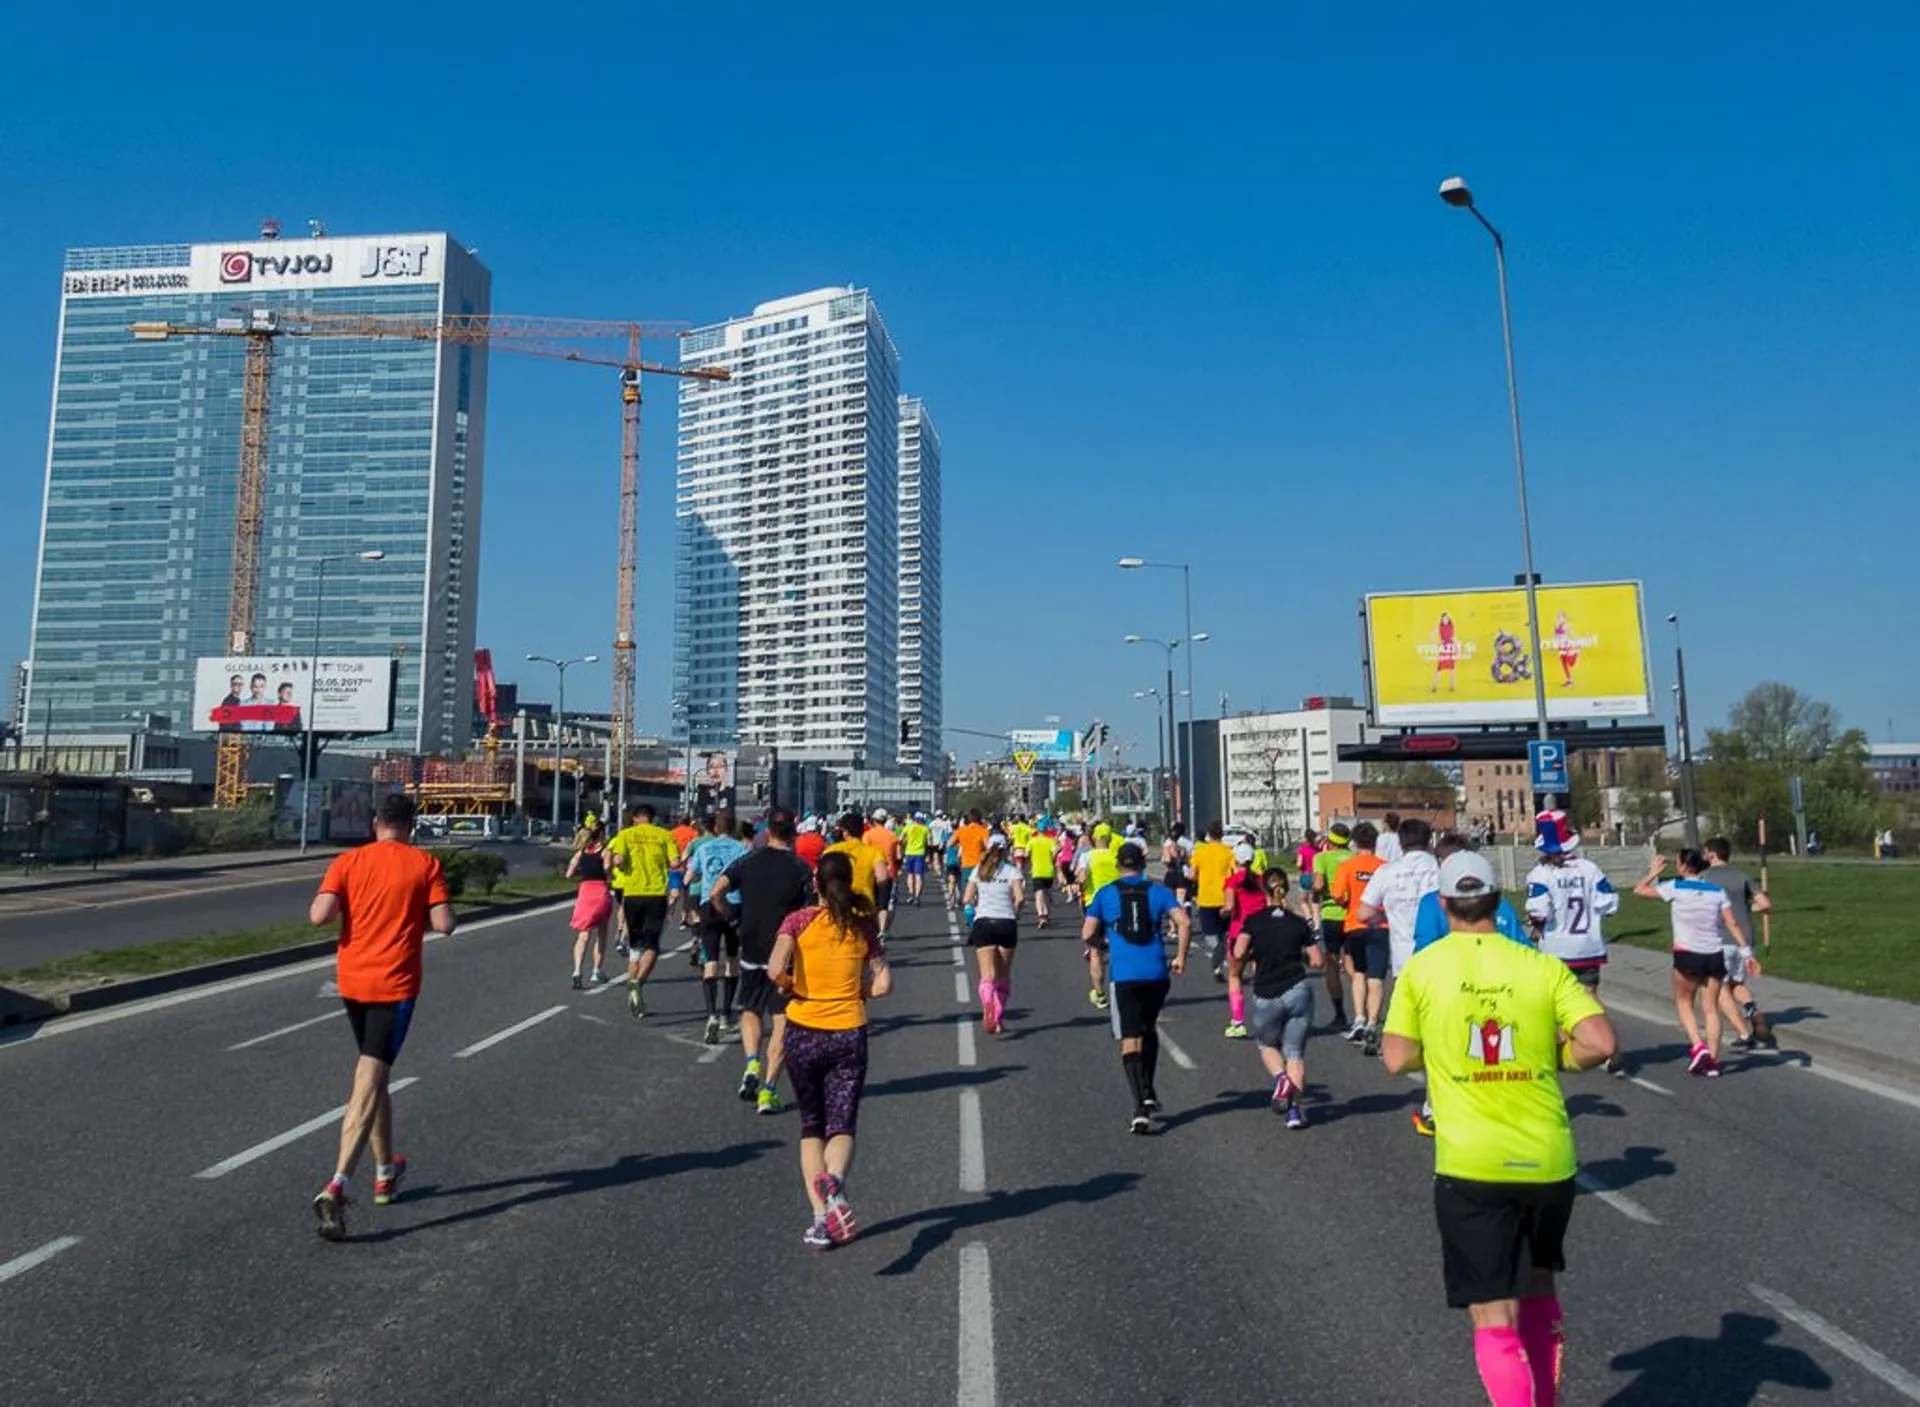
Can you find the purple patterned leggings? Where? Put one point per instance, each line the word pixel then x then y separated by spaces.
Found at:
pixel 828 1070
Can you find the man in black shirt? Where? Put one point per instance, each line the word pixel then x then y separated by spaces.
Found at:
pixel 772 883
pixel 1286 954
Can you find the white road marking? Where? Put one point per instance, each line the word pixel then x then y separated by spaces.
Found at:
pixel 67 1025
pixel 20 1265
pixel 608 986
pixel 959 957
pixel 1639 1013
pixel 287 1030
pixel 973 1144
pixel 977 1374
pixel 1876 1363
pixel 1177 1055
pixel 1619 1201
pixel 1649 1084
pixel 596 1020
pixel 711 1055
pixel 508 1034
pixel 1861 1082
pixel 965 1029
pixel 292 1135
pixel 962 992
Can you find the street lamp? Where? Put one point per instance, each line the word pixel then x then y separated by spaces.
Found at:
pixel 560 724
pixel 1180 790
pixel 1162 741
pixel 1455 192
pixel 1135 564
pixel 307 759
pixel 1687 797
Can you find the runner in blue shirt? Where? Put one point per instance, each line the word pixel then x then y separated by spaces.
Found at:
pixel 1128 918
pixel 719 924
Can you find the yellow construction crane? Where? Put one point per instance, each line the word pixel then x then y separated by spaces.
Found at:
pixel 559 339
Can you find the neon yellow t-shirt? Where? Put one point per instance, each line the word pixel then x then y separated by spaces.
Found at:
pixel 1103 868
pixel 648 853
pixel 1021 833
pixel 915 837
pixel 1040 851
pixel 1212 863
pixel 1488 1013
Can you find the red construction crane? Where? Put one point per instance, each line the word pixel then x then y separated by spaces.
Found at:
pixel 559 339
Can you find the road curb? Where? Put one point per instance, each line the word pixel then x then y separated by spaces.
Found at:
pixel 19 1007
pixel 225 863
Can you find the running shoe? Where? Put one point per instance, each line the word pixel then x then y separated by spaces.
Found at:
pixel 1699 1060
pixel 1339 1016
pixel 1098 996
pixel 1743 1044
pixel 1236 1030
pixel 1423 1123
pixel 750 1082
pixel 1142 1121
pixel 578 983
pixel 768 1102
pixel 839 1216
pixel 1357 1032
pixel 1220 972
pixel 1712 1071
pixel 599 979
pixel 386 1189
pixel 330 1212
pixel 1284 1091
pixel 1616 1067
pixel 1296 1117
pixel 816 1236
pixel 712 1033
pixel 636 1003
pixel 1371 1045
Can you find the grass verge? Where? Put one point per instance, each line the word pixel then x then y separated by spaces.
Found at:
pixel 149 959
pixel 1856 927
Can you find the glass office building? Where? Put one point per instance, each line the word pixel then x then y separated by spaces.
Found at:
pixel 370 445
pixel 921 673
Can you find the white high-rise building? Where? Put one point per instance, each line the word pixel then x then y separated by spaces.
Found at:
pixel 786 627
pixel 920 672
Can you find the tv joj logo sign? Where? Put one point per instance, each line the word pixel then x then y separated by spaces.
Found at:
pixel 376 261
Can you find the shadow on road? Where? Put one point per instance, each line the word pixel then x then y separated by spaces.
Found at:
pixel 940 1079
pixel 1729 1371
pixel 625 1171
pixel 1637 1164
pixel 1794 1015
pixel 1596 1105
pixel 1364 1106
pixel 1226 1102
pixel 1091 1019
pixel 939 1224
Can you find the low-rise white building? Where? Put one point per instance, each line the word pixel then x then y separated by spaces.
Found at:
pixel 1270 765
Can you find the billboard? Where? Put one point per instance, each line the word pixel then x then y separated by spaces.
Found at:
pixel 276 694
pixel 1463 657
pixel 1046 744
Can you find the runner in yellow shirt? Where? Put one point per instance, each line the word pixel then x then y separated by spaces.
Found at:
pixel 641 855
pixel 1211 864
pixel 1098 866
pixel 915 837
pixel 1042 846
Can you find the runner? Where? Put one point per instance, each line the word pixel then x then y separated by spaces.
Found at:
pixel 1701 911
pixel 1388 846
pixel 592 904
pixel 642 854
pixel 772 882
pixel 1099 867
pixel 1736 998
pixel 1285 952
pixel 869 865
pixel 1333 914
pixel 915 837
pixel 950 858
pixel 1568 897
pixel 1131 915
pixel 1305 854
pixel 1364 945
pixel 971 838
pixel 1020 833
pixel 1173 859
pixel 829 960
pixel 881 837
pixel 1394 894
pixel 719 944
pixel 994 894
pixel 1485 1017
pixel 386 895
pixel 810 844
pixel 1042 847
pixel 690 884
pixel 1246 895
pixel 1066 863
pixel 684 835
pixel 1212 863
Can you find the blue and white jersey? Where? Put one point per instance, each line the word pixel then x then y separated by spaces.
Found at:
pixel 1696 905
pixel 1569 900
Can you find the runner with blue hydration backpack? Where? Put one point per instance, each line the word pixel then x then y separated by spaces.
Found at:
pixel 1132 913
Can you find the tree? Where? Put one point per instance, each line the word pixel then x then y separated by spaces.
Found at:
pixel 989 798
pixel 1774 734
pixel 1646 794
pixel 1421 782
pixel 1583 801
pixel 1783 727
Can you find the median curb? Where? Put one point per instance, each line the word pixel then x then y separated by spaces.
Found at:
pixel 18 1007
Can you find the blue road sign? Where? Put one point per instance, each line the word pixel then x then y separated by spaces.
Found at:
pixel 1547 764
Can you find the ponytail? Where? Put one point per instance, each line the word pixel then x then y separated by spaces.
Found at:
pixel 850 910
pixel 990 863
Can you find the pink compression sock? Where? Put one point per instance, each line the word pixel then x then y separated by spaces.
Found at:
pixel 1503 1367
pixel 986 996
pixel 1540 1333
pixel 1237 1005
pixel 1002 989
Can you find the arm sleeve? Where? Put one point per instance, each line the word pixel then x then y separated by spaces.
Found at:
pixel 1539 901
pixel 436 884
pixel 796 922
pixel 1606 899
pixel 1664 888
pixel 335 882
pixel 1375 894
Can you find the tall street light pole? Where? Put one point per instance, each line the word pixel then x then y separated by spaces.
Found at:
pixel 1455 192
pixel 1132 564
pixel 1688 800
pixel 1163 741
pixel 1169 646
pixel 560 724
pixel 308 761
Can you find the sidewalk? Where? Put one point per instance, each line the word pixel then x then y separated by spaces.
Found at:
pixel 15 881
pixel 1877 1033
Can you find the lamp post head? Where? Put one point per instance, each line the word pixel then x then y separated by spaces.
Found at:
pixel 1201 638
pixel 589 659
pixel 1674 619
pixel 536 658
pixel 1129 563
pixel 1132 640
pixel 1455 191
pixel 373 555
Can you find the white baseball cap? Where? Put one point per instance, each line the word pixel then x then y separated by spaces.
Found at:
pixel 996 841
pixel 879 813
pixel 1243 854
pixel 1467 874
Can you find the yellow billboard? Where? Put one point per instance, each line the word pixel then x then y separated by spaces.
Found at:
pixel 1463 657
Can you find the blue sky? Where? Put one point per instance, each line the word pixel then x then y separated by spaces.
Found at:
pixel 1173 281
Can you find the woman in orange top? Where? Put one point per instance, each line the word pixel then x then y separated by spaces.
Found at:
pixel 828 960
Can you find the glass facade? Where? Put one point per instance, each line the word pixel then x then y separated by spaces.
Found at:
pixel 371 444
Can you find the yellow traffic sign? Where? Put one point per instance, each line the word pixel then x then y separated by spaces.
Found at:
pixel 1025 760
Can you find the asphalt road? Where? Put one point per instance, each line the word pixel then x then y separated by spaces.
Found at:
pixel 594 1217
pixel 41 925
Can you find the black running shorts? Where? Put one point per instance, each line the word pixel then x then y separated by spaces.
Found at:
pixel 646 916
pixel 758 994
pixel 1701 966
pixel 1494 1235
pixel 379 1028
pixel 719 936
pixel 1333 935
pixel 994 933
pixel 1135 1007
